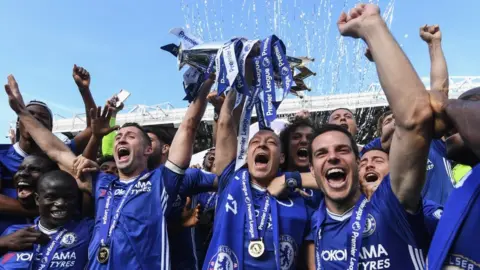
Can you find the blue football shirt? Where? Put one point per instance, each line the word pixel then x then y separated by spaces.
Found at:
pixel 71 254
pixel 139 241
pixel 182 248
pixel 439 183
pixel 463 252
pixel 292 211
pixel 392 238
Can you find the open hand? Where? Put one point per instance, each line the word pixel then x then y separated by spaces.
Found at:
pixel 351 25
pixel 81 77
pixel 15 98
pixel 100 121
pixel 430 33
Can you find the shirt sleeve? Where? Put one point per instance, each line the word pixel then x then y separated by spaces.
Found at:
pixel 432 212
pixel 172 178
pixel 197 181
pixel 108 140
pixel 387 203
pixel 226 176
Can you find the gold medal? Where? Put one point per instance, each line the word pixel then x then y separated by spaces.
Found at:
pixel 256 248
pixel 103 255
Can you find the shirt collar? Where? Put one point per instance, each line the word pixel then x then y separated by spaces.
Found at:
pixel 19 150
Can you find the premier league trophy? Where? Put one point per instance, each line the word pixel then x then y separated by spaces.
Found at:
pixel 272 73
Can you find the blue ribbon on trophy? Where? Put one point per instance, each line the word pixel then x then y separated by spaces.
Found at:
pixel 272 72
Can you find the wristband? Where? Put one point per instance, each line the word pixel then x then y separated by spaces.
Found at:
pixel 293 180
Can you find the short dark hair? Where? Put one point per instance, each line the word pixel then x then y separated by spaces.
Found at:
pixel 286 134
pixel 161 134
pixel 374 149
pixel 330 127
pixel 105 158
pixel 56 174
pixel 341 108
pixel 380 121
pixel 144 133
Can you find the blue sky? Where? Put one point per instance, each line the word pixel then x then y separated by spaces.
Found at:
pixel 118 42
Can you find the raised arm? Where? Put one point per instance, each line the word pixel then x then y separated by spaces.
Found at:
pixel 438 70
pixel 181 149
pixel 407 97
pixel 82 78
pixel 226 146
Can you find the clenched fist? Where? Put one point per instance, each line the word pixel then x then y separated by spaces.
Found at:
pixel 353 24
pixel 81 77
pixel 430 33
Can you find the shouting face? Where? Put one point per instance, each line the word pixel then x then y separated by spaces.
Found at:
pixel 264 155
pixel 334 165
pixel 373 168
pixel 345 119
pixel 131 150
pixel 298 148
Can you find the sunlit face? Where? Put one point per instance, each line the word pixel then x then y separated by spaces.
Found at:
pixel 131 150
pixel 298 147
pixel 109 167
pixel 41 114
pixel 264 155
pixel 334 166
pixel 344 118
pixel 209 160
pixel 373 168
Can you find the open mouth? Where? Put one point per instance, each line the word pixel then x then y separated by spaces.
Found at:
pixel 211 158
pixel 302 153
pixel 24 190
pixel 336 177
pixel 123 153
pixel 345 126
pixel 59 214
pixel 261 161
pixel 371 177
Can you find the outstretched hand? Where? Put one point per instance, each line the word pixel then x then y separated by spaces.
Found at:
pixel 101 121
pixel 112 103
pixel 353 23
pixel 15 98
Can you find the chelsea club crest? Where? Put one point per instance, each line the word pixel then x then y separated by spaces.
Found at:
pixel 68 239
pixel 288 250
pixel 370 226
pixel 224 259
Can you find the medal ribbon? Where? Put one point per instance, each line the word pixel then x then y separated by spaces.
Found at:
pixel 108 224
pixel 255 232
pixel 51 248
pixel 354 235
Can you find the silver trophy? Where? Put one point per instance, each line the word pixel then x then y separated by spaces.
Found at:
pixel 198 55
